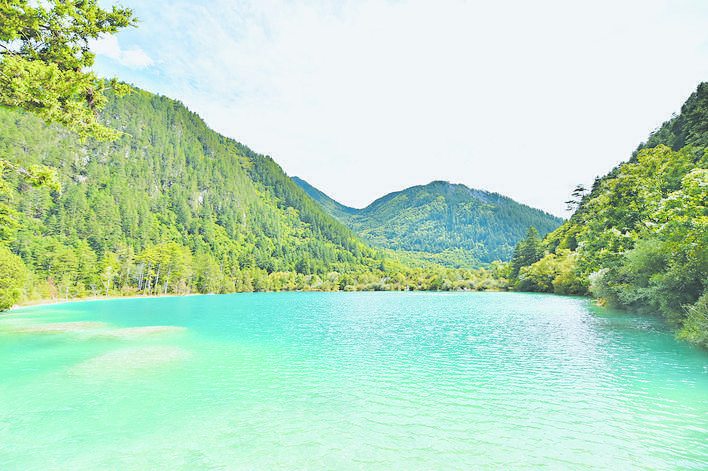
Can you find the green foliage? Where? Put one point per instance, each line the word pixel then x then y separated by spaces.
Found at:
pixel 689 128
pixel 43 51
pixel 650 241
pixel 554 273
pixel 442 223
pixel 171 207
pixel 35 176
pixel 695 324
pixel 43 47
pixel 13 276
pixel 527 252
pixel 640 236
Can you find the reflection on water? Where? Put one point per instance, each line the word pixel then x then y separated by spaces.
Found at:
pixel 348 381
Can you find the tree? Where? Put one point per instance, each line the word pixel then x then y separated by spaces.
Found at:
pixel 107 277
pixel 35 175
pixel 527 252
pixel 13 275
pixel 555 273
pixel 578 195
pixel 44 51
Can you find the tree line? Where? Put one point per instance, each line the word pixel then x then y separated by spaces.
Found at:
pixel 171 207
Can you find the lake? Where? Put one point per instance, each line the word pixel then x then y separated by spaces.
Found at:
pixel 348 381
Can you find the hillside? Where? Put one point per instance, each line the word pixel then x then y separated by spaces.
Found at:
pixel 639 238
pixel 441 222
pixel 171 206
pixel 689 128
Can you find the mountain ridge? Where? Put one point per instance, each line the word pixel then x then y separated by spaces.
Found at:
pixel 172 202
pixel 444 222
pixel 172 206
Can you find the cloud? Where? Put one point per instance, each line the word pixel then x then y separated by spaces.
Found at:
pixel 108 46
pixel 364 97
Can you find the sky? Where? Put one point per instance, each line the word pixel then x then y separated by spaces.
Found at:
pixel 361 98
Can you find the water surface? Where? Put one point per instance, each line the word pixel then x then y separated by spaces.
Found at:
pixel 348 381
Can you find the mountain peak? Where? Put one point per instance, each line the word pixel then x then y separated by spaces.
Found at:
pixel 449 223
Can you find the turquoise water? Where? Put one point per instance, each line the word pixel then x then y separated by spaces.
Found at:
pixel 347 381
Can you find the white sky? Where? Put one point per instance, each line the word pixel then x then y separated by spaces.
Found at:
pixel 361 98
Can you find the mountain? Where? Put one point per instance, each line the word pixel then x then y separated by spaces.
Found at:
pixel 442 222
pixel 174 207
pixel 171 206
pixel 332 207
pixel 639 238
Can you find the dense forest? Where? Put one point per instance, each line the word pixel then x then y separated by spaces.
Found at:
pixel 131 193
pixel 441 222
pixel 173 207
pixel 639 237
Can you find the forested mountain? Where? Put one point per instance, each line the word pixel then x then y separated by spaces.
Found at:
pixel 170 206
pixel 639 238
pixel 173 207
pixel 441 222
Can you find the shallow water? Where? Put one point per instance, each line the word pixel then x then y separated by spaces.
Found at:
pixel 348 381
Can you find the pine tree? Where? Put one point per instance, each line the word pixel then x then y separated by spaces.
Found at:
pixel 527 252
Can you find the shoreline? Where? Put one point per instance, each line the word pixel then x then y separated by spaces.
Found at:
pixel 51 302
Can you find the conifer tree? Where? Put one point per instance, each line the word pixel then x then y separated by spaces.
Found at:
pixel 527 252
